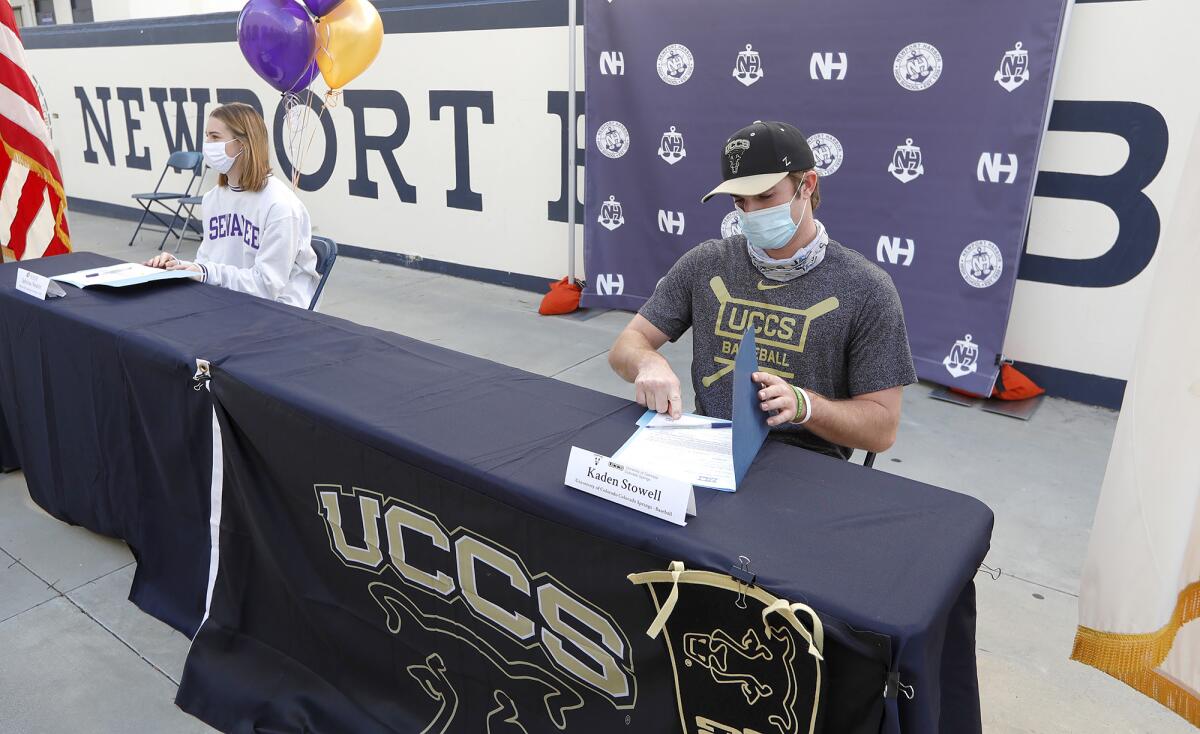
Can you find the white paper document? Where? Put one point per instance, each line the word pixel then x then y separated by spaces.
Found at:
pixel 121 275
pixel 699 456
pixel 687 420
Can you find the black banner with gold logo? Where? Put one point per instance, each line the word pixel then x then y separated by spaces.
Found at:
pixel 358 592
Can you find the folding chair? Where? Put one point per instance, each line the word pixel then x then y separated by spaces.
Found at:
pixel 190 204
pixel 869 460
pixel 326 250
pixel 179 161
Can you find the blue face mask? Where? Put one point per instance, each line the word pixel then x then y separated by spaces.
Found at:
pixel 771 228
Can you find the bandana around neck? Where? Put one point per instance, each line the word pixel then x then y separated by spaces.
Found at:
pixel 805 259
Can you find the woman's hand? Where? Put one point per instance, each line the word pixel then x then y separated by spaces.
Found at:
pixel 163 260
pixel 777 395
pixel 182 265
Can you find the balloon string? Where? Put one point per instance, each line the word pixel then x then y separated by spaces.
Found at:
pixel 291 103
pixel 333 97
pixel 307 144
pixel 300 139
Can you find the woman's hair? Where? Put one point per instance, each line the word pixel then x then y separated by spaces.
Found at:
pixel 798 177
pixel 246 124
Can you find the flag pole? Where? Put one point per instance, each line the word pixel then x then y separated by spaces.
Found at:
pixel 572 143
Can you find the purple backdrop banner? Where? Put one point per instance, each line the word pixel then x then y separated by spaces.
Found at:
pixel 926 119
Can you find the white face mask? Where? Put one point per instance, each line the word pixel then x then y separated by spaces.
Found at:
pixel 216 157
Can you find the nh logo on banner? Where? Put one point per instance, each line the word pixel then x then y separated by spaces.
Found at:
pixel 612 214
pixel 670 222
pixel 963 358
pixel 892 249
pixel 608 284
pixel 823 66
pixel 612 63
pixel 1014 68
pixel 748 68
pixel 907 162
pixel 671 148
pixel 992 167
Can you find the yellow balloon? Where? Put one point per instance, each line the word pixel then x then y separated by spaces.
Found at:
pixel 348 40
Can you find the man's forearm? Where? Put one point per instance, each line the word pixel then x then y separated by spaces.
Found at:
pixel 630 353
pixel 860 424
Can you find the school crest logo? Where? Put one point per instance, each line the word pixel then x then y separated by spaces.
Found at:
pixel 734 150
pixel 1014 68
pixel 748 68
pixel 907 162
pixel 981 264
pixel 731 225
pixel 827 152
pixel 676 64
pixel 963 358
pixel 744 661
pixel 612 139
pixel 918 66
pixel 612 214
pixel 671 148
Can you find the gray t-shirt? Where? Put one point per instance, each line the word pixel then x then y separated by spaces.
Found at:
pixel 838 330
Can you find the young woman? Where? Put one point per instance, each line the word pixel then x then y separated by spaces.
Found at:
pixel 256 232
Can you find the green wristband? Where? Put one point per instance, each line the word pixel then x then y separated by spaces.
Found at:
pixel 801 405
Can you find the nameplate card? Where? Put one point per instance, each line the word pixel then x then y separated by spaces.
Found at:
pixel 665 498
pixel 38 286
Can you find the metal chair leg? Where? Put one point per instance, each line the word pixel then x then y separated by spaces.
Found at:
pixel 187 224
pixel 170 228
pixel 183 232
pixel 145 211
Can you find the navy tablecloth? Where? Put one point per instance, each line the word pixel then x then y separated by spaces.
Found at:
pixel 112 436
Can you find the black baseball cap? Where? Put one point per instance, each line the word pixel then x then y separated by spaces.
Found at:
pixel 759 156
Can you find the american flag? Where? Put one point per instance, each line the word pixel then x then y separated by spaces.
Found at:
pixel 33 206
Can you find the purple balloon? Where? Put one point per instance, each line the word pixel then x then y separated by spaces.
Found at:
pixel 279 40
pixel 321 8
pixel 306 78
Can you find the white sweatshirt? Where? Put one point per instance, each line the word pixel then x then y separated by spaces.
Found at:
pixel 258 242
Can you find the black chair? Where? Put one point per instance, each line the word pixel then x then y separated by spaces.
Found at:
pixel 190 203
pixel 869 460
pixel 326 250
pixel 180 162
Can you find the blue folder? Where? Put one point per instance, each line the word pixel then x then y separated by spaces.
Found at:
pixel 749 421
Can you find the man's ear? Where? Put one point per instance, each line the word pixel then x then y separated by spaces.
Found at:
pixel 809 184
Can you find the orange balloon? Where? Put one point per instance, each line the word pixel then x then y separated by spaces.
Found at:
pixel 348 40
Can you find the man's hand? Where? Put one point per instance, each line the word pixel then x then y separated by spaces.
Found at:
pixel 162 260
pixel 658 388
pixel 776 395
pixel 635 358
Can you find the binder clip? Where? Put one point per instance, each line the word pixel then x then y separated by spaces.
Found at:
pixel 741 572
pixel 894 688
pixel 995 573
pixel 203 375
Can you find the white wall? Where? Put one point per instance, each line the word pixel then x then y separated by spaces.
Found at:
pixel 126 9
pixel 514 162
pixel 1141 52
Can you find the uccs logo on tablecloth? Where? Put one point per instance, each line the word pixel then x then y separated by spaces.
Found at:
pixel 465 597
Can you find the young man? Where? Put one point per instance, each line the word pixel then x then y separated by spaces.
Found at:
pixel 832 347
